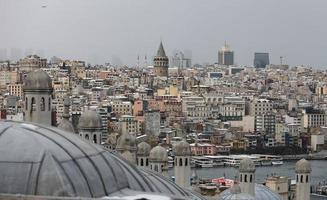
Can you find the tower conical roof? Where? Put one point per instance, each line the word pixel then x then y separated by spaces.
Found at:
pixel 161 51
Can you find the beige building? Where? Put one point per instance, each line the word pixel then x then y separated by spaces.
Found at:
pixel 280 185
pixel 32 62
pixel 312 118
pixel 15 89
pixel 128 124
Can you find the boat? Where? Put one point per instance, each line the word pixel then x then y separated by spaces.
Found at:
pixel 202 162
pixel 277 162
pixel 265 162
pixel 218 161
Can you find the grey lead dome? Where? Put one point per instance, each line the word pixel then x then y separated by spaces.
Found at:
pixel 182 148
pixel 37 80
pixel 143 149
pixel 247 165
pixel 90 120
pixel 302 166
pixel 158 154
pixel 41 160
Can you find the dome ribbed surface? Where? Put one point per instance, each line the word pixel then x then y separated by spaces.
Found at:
pixel 40 160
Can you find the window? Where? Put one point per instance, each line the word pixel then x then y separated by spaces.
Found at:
pixel 307 179
pixel 250 178
pixel 245 178
pixel 33 106
pixel 26 103
pixel 180 162
pixel 146 162
pixel 186 161
pixel 95 139
pixel 142 162
pixel 301 178
pixel 42 104
pixel 49 104
pixel 87 137
pixel 241 178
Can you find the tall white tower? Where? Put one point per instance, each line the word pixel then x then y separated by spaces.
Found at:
pixel 143 152
pixel 159 160
pixel 126 146
pixel 90 126
pixel 247 176
pixel 37 91
pixel 182 168
pixel 302 170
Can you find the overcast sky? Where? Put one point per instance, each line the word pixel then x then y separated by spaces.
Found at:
pixel 99 30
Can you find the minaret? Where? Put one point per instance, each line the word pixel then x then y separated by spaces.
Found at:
pixel 37 91
pixel 65 124
pixel 303 170
pixel 182 168
pixel 159 160
pixel 90 126
pixel 126 146
pixel 161 62
pixel 247 176
pixel 143 152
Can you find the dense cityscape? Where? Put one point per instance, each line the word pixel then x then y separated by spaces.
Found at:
pixel 175 118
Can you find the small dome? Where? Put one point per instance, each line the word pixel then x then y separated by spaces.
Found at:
pixel 247 165
pixel 143 149
pixel 90 120
pixel 128 156
pixel 37 80
pixel 261 192
pixel 182 149
pixel 302 166
pixel 158 154
pixel 126 142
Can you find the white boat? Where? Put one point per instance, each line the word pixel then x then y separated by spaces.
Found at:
pixel 265 162
pixel 218 161
pixel 277 162
pixel 202 162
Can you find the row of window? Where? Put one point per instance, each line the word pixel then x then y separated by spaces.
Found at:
pixel 33 104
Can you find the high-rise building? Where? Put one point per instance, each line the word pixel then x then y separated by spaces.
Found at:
pixel 226 56
pixel 161 62
pixel 261 60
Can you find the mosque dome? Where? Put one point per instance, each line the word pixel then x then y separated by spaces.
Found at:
pixel 46 161
pixel 143 149
pixel 261 192
pixel 234 193
pixel 158 154
pixel 89 120
pixel 302 166
pixel 247 166
pixel 37 80
pixel 126 142
pixel 182 149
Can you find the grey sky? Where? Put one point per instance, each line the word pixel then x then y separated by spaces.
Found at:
pixel 97 30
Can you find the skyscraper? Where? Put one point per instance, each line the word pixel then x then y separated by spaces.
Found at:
pixel 226 56
pixel 261 60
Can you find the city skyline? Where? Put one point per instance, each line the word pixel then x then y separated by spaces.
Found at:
pixel 73 30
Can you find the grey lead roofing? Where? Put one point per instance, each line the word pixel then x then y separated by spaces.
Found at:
pixel 40 160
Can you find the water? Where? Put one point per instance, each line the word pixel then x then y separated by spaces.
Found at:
pixel 319 171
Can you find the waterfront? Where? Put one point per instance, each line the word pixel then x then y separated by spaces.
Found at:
pixel 319 171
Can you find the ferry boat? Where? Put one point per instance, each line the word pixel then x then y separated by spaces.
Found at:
pixel 218 161
pixel 234 160
pixel 202 162
pixel 277 162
